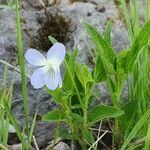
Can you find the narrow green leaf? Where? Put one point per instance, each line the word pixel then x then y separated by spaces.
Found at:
pixel 54 116
pixel 136 129
pixel 99 73
pixel 121 60
pixel 87 136
pixel 32 128
pixel 65 134
pixel 140 42
pixel 13 120
pixel 147 141
pixel 105 51
pixel 52 39
pixel 77 117
pixel 102 112
pixel 7 123
pixel 107 32
pixel 22 65
pixel 127 119
pixel 56 94
pixel 67 82
pixel 83 74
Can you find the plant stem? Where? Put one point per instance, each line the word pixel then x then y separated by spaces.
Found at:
pixel 85 107
pixel 22 65
pixel 56 132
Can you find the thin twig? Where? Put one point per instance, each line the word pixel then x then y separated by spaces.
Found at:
pixel 3 147
pixel 139 141
pixel 35 143
pixel 94 129
pixel 42 3
pixel 99 131
pixel 104 145
pixel 97 140
pixel 11 66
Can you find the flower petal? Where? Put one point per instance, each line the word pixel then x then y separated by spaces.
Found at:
pixel 59 78
pixel 53 79
pixel 35 58
pixel 57 53
pixel 37 78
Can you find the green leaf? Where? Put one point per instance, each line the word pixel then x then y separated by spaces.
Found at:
pixel 99 73
pixel 147 141
pixel 13 120
pixel 65 134
pixel 87 136
pixel 126 120
pixel 140 42
pixel 32 128
pixel 77 117
pixel 105 50
pixel 77 106
pixel 56 94
pixel 107 32
pixel 54 116
pixel 136 129
pixel 83 74
pixel 121 60
pixel 52 39
pixel 102 112
pixel 67 82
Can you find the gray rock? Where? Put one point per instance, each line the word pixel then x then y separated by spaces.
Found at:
pixel 61 146
pixel 57 145
pixel 37 100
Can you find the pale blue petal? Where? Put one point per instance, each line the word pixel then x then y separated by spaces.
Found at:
pixel 53 79
pixel 35 58
pixel 59 79
pixel 37 78
pixel 57 53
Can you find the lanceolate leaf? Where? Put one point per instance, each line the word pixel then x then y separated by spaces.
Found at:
pixel 102 112
pixel 104 49
pixel 140 42
pixel 67 83
pixel 54 116
pixel 77 117
pixel 52 39
pixel 99 73
pixel 83 74
pixel 107 33
pixel 128 118
pixel 87 136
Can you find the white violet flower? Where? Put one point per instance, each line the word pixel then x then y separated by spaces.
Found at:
pixel 49 72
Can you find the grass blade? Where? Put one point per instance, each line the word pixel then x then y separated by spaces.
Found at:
pixel 136 128
pixel 32 128
pixel 13 120
pixel 147 141
pixel 22 65
pixel 140 42
pixel 127 18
